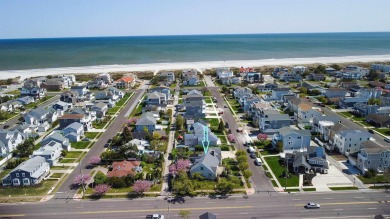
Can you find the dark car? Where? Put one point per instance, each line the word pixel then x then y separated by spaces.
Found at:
pixel 371 131
pixel 253 156
pixel 106 145
pixel 6 126
pixel 109 140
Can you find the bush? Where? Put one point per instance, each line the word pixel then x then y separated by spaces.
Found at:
pixel 370 173
pixel 225 148
pixel 14 163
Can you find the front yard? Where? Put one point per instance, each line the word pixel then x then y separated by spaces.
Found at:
pixel 383 131
pixel 376 179
pixel 40 190
pixel 91 135
pixel 80 144
pixel 277 169
pixel 113 110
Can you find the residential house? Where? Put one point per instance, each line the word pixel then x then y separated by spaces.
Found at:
pixel 169 76
pixel 208 164
pixel 106 78
pixel 373 156
pixel 379 120
pixel 147 121
pixel 156 99
pixel 335 92
pixel 315 77
pixel 314 159
pixel 89 115
pixel 161 89
pixel 9 140
pixel 70 97
pixel 141 144
pixel 278 70
pixel 124 168
pixel 330 71
pixel 116 92
pixel 287 76
pixel 385 99
pixel 306 112
pixel 57 137
pixel 61 107
pixel 253 77
pixel 351 101
pixel 108 96
pixel 267 87
pixel 224 73
pixel 323 124
pixel 377 84
pixel 80 89
pixel 53 84
pixel 191 81
pixel 201 134
pixel 51 152
pixel 32 88
pixel 43 127
pixel 194 104
pixel 363 109
pixel 348 141
pixel 292 139
pixel 124 82
pixel 68 119
pixel 352 75
pixel 30 172
pixel 26 100
pixel 255 111
pixel 278 93
pixel 381 68
pixel 100 109
pixel 231 80
pixel 26 130
pixel 40 115
pixel 246 102
pixel 74 132
pixel 240 93
pixel 271 121
pixel 298 69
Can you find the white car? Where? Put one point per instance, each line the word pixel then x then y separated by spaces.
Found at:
pixel 312 205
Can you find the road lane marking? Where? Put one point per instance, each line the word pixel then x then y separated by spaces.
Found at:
pixel 372 208
pixel 359 197
pixel 210 202
pixel 11 215
pixel 349 203
pixel 328 198
pixel 296 199
pixel 163 209
pixel 338 209
pixel 243 213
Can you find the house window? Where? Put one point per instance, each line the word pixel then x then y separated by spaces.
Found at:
pixel 201 168
pixel 15 181
pixel 23 174
pixel 299 137
pixel 26 182
pixel 17 175
pixel 369 162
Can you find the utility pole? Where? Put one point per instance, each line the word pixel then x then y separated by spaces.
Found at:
pixel 82 181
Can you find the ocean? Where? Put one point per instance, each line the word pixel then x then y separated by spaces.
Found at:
pixel 21 54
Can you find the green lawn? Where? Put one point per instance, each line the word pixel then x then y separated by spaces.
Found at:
pixel 213 121
pixel 365 124
pixel 208 100
pixel 122 101
pixel 98 124
pixel 57 175
pixel 137 111
pixel 309 189
pixel 346 114
pixel 343 188
pixel 291 190
pixel 80 144
pixel 223 139
pixel 234 105
pixel 32 105
pixel 27 191
pixel 204 185
pixel 91 135
pixel 69 160
pixel 277 169
pixel 73 154
pixel 384 131
pixel 207 93
pixel 376 179
pixel 4 173
pixel 113 110
pixel 59 167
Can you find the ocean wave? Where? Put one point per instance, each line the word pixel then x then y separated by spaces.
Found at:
pixel 185 65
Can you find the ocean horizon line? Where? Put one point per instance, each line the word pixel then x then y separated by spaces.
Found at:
pixel 200 65
pixel 184 35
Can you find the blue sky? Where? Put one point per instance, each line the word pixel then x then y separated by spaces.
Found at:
pixel 82 18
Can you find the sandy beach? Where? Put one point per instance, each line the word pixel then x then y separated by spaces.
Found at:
pixel 186 65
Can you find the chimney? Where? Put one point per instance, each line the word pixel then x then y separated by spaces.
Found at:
pixel 212 153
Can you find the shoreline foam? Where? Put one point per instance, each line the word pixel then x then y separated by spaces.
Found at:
pixel 186 65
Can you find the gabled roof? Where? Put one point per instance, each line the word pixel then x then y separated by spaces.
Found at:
pixel 38 112
pixel 72 116
pixel 33 165
pixel 99 105
pixel 75 126
pixel 287 131
pixel 123 168
pixel 210 160
pixel 147 119
pixel 372 147
pixel 125 79
pixel 207 215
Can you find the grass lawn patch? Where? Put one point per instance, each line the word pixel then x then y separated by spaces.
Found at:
pixel 365 124
pixel 343 188
pixel 91 135
pixel 59 167
pixel 40 190
pixel 57 175
pixel 379 187
pixel 98 125
pixel 68 160
pixel 384 131
pixel 291 190
pixel 32 105
pixel 80 144
pixel 113 110
pixel 137 111
pixel 73 154
pixel 4 173
pixel 376 179
pixel 309 189
pixel 124 99
pixel 149 168
pixel 204 184
pixel 346 114
pixel 208 100
pixel 277 169
pixel 223 139
pixel 207 93
pixel 274 184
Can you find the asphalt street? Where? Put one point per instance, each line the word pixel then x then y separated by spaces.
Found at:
pixel 259 180
pixel 275 205
pixel 65 192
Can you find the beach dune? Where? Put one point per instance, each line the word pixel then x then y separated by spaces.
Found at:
pixel 154 67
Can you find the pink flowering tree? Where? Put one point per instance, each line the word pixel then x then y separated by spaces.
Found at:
pixel 262 137
pixel 101 189
pixel 172 169
pixel 141 186
pixel 95 160
pixel 81 179
pixel 182 164
pixel 132 121
pixel 231 138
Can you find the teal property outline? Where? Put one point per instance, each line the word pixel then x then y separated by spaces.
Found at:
pixel 205 139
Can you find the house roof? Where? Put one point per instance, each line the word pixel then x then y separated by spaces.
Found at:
pixel 38 112
pixel 125 79
pixel 207 215
pixel 210 160
pixel 337 89
pixel 372 147
pixel 123 168
pixel 155 95
pixel 305 106
pixel 99 105
pixel 287 130
pixel 146 119
pixel 378 118
pixel 33 165
pixel 72 116
pixel 75 126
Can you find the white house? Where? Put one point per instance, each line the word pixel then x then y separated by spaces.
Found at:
pixel 348 141
pixel 74 132
pixel 8 141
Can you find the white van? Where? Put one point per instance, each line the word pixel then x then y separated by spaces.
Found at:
pixel 258 161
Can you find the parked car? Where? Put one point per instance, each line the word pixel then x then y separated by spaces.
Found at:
pixel 239 130
pixel 107 145
pixel 258 161
pixel 225 106
pixel 251 149
pixel 155 216
pixel 253 156
pixel 109 140
pixel 387 140
pixel 371 131
pixel 312 205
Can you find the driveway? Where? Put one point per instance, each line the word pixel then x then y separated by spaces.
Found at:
pixel 334 178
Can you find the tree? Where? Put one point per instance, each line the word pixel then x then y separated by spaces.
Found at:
pixel 279 146
pixel 315 92
pixel 336 67
pixel 320 69
pixel 156 136
pixel 373 75
pixel 322 99
pixel 242 159
pixel 247 173
pixel 95 160
pixel 198 176
pixel 240 152
pixel 141 186
pixel 180 122
pixel 184 214
pixel 26 148
pixel 101 189
pixel 224 187
pixel 374 101
pixel 221 126
pixel 262 137
pixel 126 135
pixel 172 170
pixel 243 166
pixel 81 179
pixel 132 121
pixel 117 182
pixel 303 90
pixel 182 164
pixel 182 185
pixel 100 178
pixel 224 89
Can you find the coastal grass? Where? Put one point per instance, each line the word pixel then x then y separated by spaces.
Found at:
pixel 277 169
pixel 91 135
pixel 343 188
pixel 80 144
pixel 39 190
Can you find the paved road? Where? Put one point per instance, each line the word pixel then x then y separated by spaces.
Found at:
pixel 15 120
pixel 259 180
pixel 333 205
pixel 65 192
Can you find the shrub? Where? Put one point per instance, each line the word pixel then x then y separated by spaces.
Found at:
pixel 100 190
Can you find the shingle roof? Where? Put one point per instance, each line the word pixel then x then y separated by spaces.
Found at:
pixel 372 147
pixel 123 168
pixel 72 116
pixel 146 119
pixel 75 126
pixel 30 164
pixel 125 79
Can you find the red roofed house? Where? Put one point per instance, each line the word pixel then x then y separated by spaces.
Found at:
pixel 124 168
pixel 125 82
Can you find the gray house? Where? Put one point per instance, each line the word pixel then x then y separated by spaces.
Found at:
pixel 208 164
pixel 30 172
pixel 194 104
pixel 156 98
pixel 74 132
pixel 271 120
pixel 313 159
pixel 146 121
pixel 293 140
pixel 169 76
pixel 57 137
pixel 100 109
pixel 200 135
pixel 51 152
pixel 373 156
